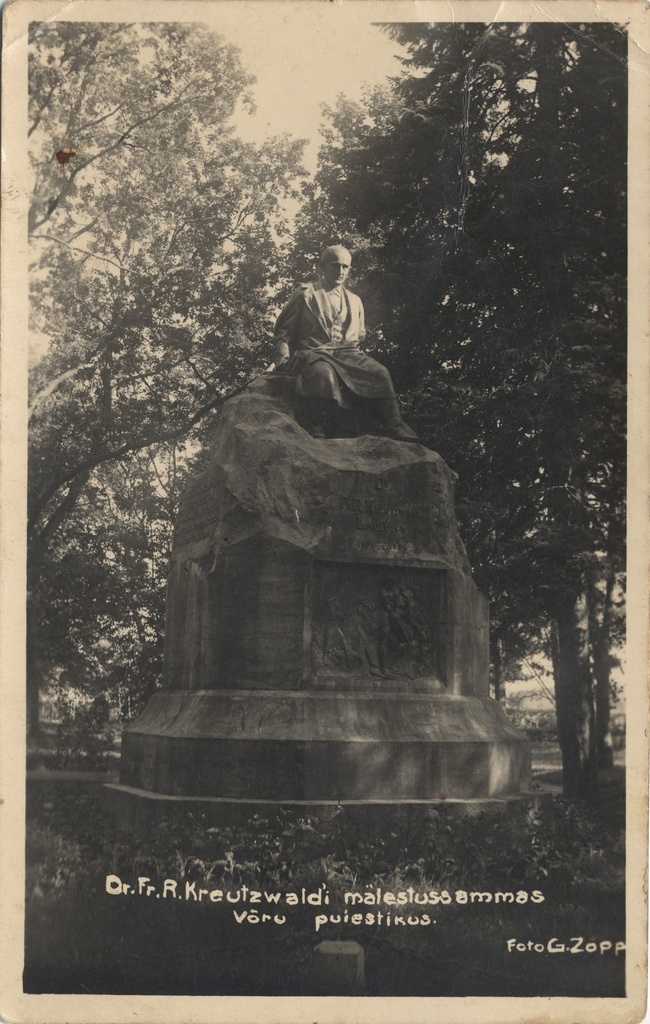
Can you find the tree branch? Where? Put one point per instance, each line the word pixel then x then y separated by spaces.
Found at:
pixel 109 455
pixel 41 111
pixel 86 227
pixel 53 385
pixel 41 539
pixel 198 373
pixel 158 476
pixel 99 120
pixel 87 252
pixel 56 202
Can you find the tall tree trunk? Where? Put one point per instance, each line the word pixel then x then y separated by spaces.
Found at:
pixel 33 673
pixel 106 397
pixel 39 538
pixel 600 650
pixel 499 681
pixel 574 699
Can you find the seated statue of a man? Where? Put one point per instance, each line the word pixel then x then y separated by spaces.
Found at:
pixel 318 337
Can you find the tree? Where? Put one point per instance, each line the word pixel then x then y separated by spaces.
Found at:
pixel 99 603
pixel 485 197
pixel 157 238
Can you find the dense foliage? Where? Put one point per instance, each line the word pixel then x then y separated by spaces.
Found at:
pixel 485 199
pixel 158 240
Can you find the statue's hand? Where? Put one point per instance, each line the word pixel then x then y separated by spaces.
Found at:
pixel 282 354
pixel 370 341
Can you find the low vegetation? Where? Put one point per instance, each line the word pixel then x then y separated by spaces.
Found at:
pixel 448 929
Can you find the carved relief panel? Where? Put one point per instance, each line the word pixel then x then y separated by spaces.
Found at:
pixel 375 623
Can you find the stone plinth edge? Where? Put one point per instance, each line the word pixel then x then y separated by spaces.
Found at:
pixel 140 810
pixel 312 745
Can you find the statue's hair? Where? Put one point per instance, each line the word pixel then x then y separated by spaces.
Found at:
pixel 335 250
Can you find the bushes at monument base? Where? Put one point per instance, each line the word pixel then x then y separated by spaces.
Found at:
pixel 82 938
pixel 560 846
pixel 79 737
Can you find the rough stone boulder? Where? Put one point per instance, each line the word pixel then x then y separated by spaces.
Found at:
pixel 324 638
pixel 344 496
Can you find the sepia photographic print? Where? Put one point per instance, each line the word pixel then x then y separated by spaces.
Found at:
pixel 324 511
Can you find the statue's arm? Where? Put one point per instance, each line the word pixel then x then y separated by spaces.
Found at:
pixel 286 327
pixel 362 324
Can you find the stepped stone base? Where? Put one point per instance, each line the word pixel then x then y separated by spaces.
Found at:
pixel 324 746
pixel 140 811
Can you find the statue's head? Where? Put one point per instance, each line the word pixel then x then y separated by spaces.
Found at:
pixel 335 265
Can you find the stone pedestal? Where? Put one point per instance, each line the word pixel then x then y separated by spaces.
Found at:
pixel 324 639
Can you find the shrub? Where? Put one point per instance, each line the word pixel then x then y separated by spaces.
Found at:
pixel 83 738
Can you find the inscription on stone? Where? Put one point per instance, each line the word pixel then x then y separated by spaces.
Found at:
pixel 373 525
pixel 197 516
pixel 374 507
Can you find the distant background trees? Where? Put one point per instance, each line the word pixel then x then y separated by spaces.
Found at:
pixel 483 195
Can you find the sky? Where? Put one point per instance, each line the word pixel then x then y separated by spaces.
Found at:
pixel 301 62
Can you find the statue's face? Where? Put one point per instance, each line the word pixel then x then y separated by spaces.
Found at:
pixel 335 268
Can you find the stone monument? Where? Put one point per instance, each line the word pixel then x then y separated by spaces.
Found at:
pixel 325 641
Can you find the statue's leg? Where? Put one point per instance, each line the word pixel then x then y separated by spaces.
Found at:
pixel 392 422
pixel 323 388
pixel 318 416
